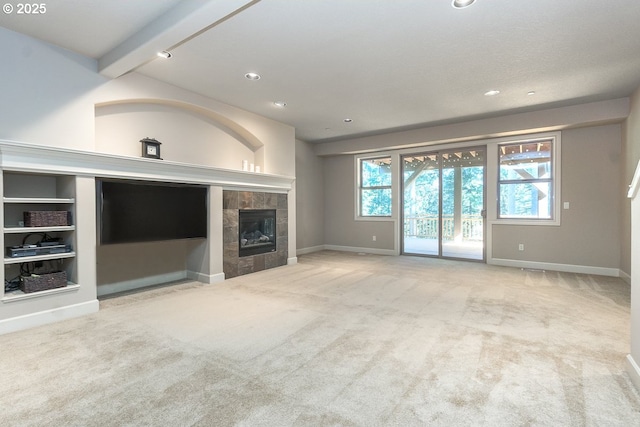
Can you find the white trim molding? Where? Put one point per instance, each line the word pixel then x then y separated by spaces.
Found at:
pixel 310 250
pixel 373 251
pixel 634 371
pixel 567 268
pixel 626 277
pixel 41 318
pixel 129 285
pixel 27 157
pixel 493 168
pixel 394 186
pixel 209 279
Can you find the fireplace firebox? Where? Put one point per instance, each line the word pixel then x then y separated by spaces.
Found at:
pixel 257 231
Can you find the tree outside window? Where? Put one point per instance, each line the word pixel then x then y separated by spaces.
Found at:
pixel 526 180
pixel 375 187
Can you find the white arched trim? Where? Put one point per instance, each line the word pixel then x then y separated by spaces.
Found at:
pixel 227 125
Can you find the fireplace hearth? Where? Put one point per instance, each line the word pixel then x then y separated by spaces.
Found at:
pixel 257 231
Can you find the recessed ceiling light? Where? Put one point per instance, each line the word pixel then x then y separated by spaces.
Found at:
pixel 491 92
pixel 164 54
pixel 348 120
pixel 531 92
pixel 280 104
pixel 252 76
pixel 461 4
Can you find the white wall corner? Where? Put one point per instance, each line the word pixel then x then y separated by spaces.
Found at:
pixel 635 183
pixel 209 279
pixel 626 277
pixel 291 221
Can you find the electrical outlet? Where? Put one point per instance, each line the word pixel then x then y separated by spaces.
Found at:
pixel 521 247
pixel 374 238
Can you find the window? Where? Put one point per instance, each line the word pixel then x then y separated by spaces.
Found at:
pixel 375 187
pixel 526 180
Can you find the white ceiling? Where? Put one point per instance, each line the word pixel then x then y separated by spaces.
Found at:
pixel 385 64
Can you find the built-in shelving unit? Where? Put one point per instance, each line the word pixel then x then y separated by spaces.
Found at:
pixel 37 200
pixel 20 230
pixel 36 258
pixel 37 192
pixel 20 296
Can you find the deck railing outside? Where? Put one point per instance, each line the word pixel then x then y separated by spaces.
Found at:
pixel 426 227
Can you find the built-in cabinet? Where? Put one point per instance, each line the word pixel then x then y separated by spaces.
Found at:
pixel 24 192
pixel 43 178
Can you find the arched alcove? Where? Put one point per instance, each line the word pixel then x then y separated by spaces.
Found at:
pixel 189 133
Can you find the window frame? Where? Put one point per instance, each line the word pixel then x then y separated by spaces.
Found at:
pixel 359 187
pixel 555 180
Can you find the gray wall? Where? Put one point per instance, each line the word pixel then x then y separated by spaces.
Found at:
pixel 589 234
pixel 341 228
pixel 137 261
pixel 589 230
pixel 310 198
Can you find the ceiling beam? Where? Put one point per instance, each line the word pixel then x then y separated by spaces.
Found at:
pixel 177 26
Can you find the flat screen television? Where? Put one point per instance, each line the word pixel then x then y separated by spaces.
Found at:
pixel 143 211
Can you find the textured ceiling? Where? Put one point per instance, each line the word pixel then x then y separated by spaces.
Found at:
pixel 387 65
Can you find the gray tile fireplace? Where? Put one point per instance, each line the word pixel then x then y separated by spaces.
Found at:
pixel 259 239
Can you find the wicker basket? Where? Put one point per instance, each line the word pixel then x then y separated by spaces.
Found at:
pixel 42 282
pixel 46 218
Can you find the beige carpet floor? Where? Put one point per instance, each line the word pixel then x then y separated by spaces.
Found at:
pixel 339 339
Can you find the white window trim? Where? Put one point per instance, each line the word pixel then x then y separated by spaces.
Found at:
pixel 493 168
pixel 394 186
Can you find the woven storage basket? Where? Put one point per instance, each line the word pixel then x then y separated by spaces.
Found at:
pixel 42 282
pixel 46 218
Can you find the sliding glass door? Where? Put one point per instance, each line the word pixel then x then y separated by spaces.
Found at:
pixel 443 203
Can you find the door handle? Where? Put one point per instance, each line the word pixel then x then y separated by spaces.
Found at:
pixel 483 213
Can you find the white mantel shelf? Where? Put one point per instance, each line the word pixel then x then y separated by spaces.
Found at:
pixel 27 157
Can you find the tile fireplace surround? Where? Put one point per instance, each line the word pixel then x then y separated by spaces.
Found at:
pixel 232 203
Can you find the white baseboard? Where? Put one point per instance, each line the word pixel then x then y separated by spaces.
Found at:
pixel 373 251
pixel 292 260
pixel 209 279
pixel 568 268
pixel 129 285
pixel 40 318
pixel 310 250
pixel 634 371
pixel 626 277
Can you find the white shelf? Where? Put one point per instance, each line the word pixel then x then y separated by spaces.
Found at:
pixel 43 200
pixel 18 230
pixel 18 295
pixel 47 257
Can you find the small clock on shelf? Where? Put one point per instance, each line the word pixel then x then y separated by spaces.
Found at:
pixel 151 148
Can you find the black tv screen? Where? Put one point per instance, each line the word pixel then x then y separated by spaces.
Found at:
pixel 131 211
